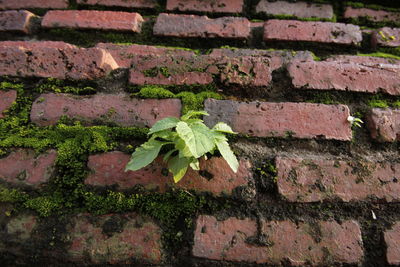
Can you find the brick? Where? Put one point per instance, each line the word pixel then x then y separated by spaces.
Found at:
pixel 7 98
pixel 364 60
pixel 336 75
pixel 117 109
pixel 296 9
pixel 317 243
pixel 55 60
pixel 386 37
pixel 216 177
pixel 312 179
pixel 114 239
pixel 121 3
pixel 371 14
pixel 212 6
pixel 24 167
pixel 92 19
pixel 263 119
pixel 24 4
pixel 392 238
pixel 124 54
pixel 384 124
pixel 21 227
pixel 312 31
pixel 16 21
pixel 201 26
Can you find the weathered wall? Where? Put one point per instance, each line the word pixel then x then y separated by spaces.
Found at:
pixel 81 82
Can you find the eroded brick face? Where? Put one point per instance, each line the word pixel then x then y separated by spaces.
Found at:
pixel 212 6
pixel 392 237
pixel 16 21
pixel 121 3
pixel 21 4
pixel 384 124
pixel 7 98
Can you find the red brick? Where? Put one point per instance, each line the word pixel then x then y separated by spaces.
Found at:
pixel 337 75
pixel 296 9
pixel 201 26
pixel 364 60
pixel 318 243
pixel 16 21
pixel 311 31
pixel 212 6
pixel 7 98
pixel 371 14
pixel 92 19
pixel 21 227
pixel 388 37
pixel 138 240
pixel 302 120
pixel 384 124
pixel 117 109
pixel 121 3
pixel 311 179
pixel 108 170
pixel 55 60
pixel 24 167
pixel 392 240
pixel 23 4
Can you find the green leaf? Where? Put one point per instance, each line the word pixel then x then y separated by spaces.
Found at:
pixel 223 127
pixel 184 151
pixel 195 164
pixel 178 166
pixel 168 154
pixel 165 134
pixel 228 155
pixel 144 155
pixel 164 124
pixel 197 137
pixel 192 113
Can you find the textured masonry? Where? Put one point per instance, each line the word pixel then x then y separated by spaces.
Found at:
pixel 371 14
pixel 121 3
pixel 214 6
pixel 384 124
pixel 16 21
pixel 7 98
pixel 386 37
pixel 392 237
pixel 22 4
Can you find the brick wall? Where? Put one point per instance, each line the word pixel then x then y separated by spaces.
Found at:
pixel 82 81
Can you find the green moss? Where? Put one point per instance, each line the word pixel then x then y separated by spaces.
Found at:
pixel 11 195
pixel 153 72
pixel 380 54
pixel 10 85
pixel 44 205
pixel 371 6
pixel 323 98
pixel 60 86
pixel 396 104
pixel 378 103
pixel 152 91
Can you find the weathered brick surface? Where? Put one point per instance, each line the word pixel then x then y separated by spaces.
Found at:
pixel 317 243
pixel 308 179
pixel 302 120
pixel 217 6
pixel 386 37
pixel 384 124
pixel 392 238
pixel 124 54
pixel 7 98
pixel 365 60
pixel 22 4
pixel 16 21
pixel 311 31
pixel 118 109
pixel 371 14
pixel 24 167
pixel 337 75
pixel 201 26
pixel 114 239
pixel 121 3
pixel 55 60
pixel 92 19
pixel 21 227
pixel 297 9
pixel 215 176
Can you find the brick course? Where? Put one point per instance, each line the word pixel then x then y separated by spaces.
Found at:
pixel 371 14
pixel 7 98
pixel 121 3
pixel 392 237
pixel 212 6
pixel 384 124
pixel 23 4
pixel 16 21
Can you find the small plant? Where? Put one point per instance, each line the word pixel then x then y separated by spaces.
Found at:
pixel 355 121
pixel 188 139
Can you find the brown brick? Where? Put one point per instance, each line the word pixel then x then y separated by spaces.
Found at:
pixel 371 14
pixel 364 60
pixel 296 9
pixel 92 19
pixel 7 98
pixel 16 21
pixel 117 109
pixel 55 60
pixel 311 179
pixel 336 75
pixel 121 3
pixel 216 176
pixel 317 243
pixel 21 227
pixel 201 26
pixel 212 6
pixel 23 4
pixel 387 37
pixel 392 240
pixel 24 167
pixel 384 124
pixel 311 31
pixel 302 120
pixel 97 239
pixel 124 54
